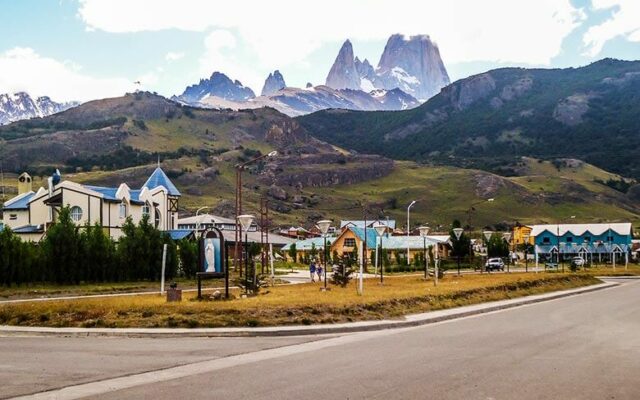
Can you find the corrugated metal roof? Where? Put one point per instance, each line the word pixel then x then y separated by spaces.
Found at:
pixel 20 202
pixel 179 234
pixel 109 194
pixel 360 224
pixel 159 178
pixel 580 229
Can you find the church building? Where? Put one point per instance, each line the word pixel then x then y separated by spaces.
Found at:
pixel 30 213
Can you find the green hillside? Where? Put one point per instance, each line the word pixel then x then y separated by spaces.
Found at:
pixel 487 121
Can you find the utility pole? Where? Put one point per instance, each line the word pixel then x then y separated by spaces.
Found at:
pixel 264 230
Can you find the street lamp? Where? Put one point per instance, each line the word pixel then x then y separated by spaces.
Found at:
pixel 238 234
pixel 409 228
pixel 380 230
pixel 424 231
pixel 526 252
pixel 197 220
pixel 458 233
pixel 324 229
pixel 507 237
pixel 245 221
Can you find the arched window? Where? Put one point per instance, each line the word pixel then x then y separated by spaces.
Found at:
pixel 123 210
pixel 157 218
pixel 146 209
pixel 76 213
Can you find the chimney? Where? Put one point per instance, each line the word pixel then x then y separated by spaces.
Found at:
pixel 24 183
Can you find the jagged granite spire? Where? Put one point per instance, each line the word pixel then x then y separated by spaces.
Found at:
pixel 273 84
pixel 343 73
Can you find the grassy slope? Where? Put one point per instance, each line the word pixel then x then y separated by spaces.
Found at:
pixel 443 194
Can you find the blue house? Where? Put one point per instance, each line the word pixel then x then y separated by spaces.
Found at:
pixel 601 242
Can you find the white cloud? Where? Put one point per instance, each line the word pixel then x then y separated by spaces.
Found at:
pixel 22 69
pixel 173 56
pixel 285 32
pixel 220 55
pixel 624 21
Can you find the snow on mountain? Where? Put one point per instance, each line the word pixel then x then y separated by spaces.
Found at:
pixel 19 106
pixel 218 85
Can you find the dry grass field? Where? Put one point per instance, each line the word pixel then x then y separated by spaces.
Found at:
pixel 291 304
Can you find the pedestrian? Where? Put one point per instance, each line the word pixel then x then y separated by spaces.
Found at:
pixel 312 270
pixel 319 270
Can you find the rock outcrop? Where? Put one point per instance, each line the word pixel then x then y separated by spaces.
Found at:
pixel 343 73
pixel 273 84
pixel 413 65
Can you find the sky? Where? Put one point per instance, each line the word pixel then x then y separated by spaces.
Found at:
pixel 88 49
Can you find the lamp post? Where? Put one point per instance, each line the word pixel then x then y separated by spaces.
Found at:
pixel 458 233
pixel 487 236
pixel 238 234
pixel 526 252
pixel 424 231
pixel 380 230
pixel 197 220
pixel 324 229
pixel 245 221
pixel 409 227
pixel 507 237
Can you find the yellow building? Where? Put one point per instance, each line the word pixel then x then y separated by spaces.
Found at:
pixel 519 233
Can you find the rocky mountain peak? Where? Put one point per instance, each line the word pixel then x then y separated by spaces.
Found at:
pixel 20 105
pixel 412 64
pixel 218 85
pixel 343 73
pixel 274 83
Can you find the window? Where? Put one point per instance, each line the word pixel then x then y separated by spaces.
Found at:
pixel 146 209
pixel 350 242
pixel 76 213
pixel 609 238
pixel 13 217
pixel 569 239
pixel 156 220
pixel 546 240
pixel 587 239
pixel 123 210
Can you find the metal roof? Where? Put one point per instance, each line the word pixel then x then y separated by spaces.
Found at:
pixel 109 194
pixel 580 229
pixel 159 178
pixel 360 223
pixel 179 234
pixel 20 202
pixel 29 229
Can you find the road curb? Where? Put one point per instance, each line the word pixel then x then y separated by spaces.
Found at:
pixel 411 320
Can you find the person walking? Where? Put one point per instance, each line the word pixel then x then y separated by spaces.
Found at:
pixel 312 270
pixel 319 271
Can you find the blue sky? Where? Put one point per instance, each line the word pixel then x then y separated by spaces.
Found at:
pixel 86 49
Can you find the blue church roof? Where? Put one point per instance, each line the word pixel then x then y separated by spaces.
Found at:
pixel 20 202
pixel 179 234
pixel 109 194
pixel 159 178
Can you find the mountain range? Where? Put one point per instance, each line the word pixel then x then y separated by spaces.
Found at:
pixel 490 120
pixel 19 106
pixel 409 69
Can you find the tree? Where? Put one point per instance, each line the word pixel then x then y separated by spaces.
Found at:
pixel 293 252
pixel 497 247
pixel 98 247
pixel 62 250
pixel 313 252
pixel 188 257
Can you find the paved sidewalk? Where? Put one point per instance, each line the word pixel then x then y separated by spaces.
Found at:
pixel 408 321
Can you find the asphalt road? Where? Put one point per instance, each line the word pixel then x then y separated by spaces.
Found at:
pixel 580 347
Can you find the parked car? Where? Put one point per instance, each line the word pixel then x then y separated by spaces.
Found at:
pixel 494 264
pixel 578 262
